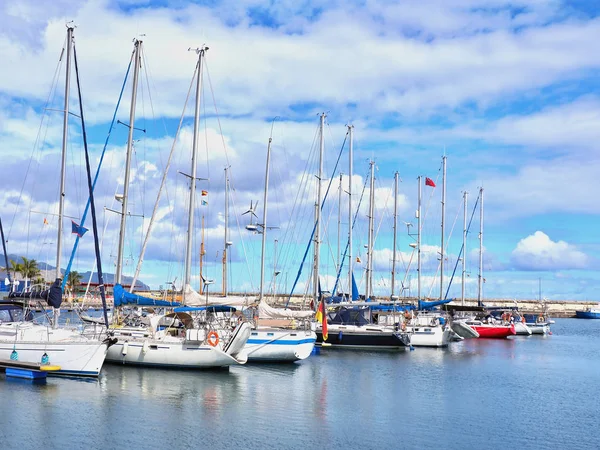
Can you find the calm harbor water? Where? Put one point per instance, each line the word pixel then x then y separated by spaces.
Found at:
pixel 526 392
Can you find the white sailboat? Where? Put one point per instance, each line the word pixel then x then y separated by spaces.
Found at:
pixel 175 339
pixel 290 337
pixel 428 328
pixel 22 339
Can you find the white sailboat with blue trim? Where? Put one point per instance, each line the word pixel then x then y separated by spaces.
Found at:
pixel 174 339
pixel 279 335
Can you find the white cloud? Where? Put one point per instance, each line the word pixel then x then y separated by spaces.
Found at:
pixel 539 252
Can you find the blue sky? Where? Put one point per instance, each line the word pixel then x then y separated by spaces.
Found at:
pixel 508 90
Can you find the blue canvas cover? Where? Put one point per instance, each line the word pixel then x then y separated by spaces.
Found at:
pixel 122 297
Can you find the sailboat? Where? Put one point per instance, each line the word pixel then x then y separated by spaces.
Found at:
pixel 22 339
pixel 352 324
pixel 427 327
pixel 484 323
pixel 173 339
pixel 279 335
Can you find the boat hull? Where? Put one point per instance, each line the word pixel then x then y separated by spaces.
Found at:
pixel 279 345
pixel 587 314
pixel 363 337
pixel 463 330
pixel 81 359
pixel 158 353
pixel 522 329
pixel 494 331
pixel 539 328
pixel 423 336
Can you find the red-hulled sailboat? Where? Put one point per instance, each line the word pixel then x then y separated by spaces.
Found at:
pixel 492 330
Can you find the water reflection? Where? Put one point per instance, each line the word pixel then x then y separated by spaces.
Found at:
pixel 448 398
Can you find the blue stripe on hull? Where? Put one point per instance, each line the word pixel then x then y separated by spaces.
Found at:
pixel 279 341
pixel 363 340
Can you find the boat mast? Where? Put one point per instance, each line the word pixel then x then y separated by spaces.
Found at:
pixel 480 280
pixel 5 256
pixel 202 253
pixel 190 232
pixel 264 220
pixel 350 169
pixel 63 165
pixel 226 243
pixel 419 242
pixel 464 249
pixel 443 227
pixel 136 67
pixel 395 232
pixel 318 212
pixel 371 232
pixel 339 250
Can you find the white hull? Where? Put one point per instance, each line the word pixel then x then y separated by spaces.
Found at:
pixel 176 354
pixel 428 336
pixel 75 354
pixel 135 347
pixel 463 330
pixel 522 330
pixel 538 328
pixel 279 345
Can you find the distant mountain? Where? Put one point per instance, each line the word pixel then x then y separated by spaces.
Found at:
pixel 109 278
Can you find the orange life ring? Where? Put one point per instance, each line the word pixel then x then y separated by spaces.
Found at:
pixel 213 339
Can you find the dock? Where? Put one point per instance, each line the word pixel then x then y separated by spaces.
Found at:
pixel 26 370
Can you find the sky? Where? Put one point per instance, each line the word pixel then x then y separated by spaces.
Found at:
pixel 507 90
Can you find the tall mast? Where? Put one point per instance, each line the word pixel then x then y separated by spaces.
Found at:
pixel 264 222
pixel 339 250
pixel 480 280
pixel 5 256
pixel 136 67
pixel 350 169
pixel 419 242
pixel 464 249
pixel 443 227
pixel 190 232
pixel 226 243
pixel 202 253
pixel 395 231
pixel 275 267
pixel 318 212
pixel 63 165
pixel 369 291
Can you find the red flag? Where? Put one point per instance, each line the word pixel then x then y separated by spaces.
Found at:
pixel 204 193
pixel 429 182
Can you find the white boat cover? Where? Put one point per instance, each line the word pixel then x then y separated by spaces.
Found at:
pixel 193 298
pixel 268 312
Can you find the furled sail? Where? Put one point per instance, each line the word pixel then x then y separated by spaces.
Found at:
pixel 122 297
pixel 193 298
pixel 268 312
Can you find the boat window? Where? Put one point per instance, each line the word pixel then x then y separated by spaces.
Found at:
pixel 10 313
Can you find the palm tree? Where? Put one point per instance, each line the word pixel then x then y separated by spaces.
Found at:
pixel 15 267
pixel 73 280
pixel 29 268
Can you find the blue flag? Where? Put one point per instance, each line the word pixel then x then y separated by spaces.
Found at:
pixel 77 229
